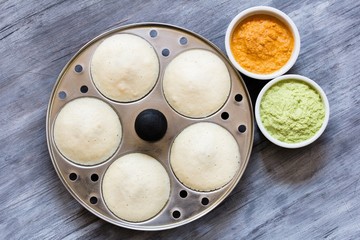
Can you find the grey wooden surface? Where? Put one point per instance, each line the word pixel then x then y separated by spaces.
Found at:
pixel 308 193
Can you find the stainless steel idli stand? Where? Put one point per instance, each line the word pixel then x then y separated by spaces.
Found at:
pixel 184 204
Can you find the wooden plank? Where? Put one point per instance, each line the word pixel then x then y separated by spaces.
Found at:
pixel 307 193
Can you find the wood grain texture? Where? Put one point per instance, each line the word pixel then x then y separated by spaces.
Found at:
pixel 308 193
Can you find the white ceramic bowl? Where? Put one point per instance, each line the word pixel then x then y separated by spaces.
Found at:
pixel 298 78
pixel 272 12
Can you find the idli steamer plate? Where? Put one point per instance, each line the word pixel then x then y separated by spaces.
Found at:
pixel 184 204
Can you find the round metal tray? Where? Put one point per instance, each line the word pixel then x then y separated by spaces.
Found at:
pixel 84 182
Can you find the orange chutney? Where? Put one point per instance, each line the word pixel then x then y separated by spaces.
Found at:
pixel 262 44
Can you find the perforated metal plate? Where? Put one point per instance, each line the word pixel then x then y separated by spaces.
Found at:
pixel 235 115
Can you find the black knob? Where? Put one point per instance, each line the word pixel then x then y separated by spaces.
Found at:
pixel 151 125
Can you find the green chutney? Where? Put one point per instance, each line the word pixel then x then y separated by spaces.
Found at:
pixel 292 111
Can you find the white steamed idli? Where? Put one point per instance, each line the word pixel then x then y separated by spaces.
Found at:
pixel 87 131
pixel 205 156
pixel 124 67
pixel 136 187
pixel 196 83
